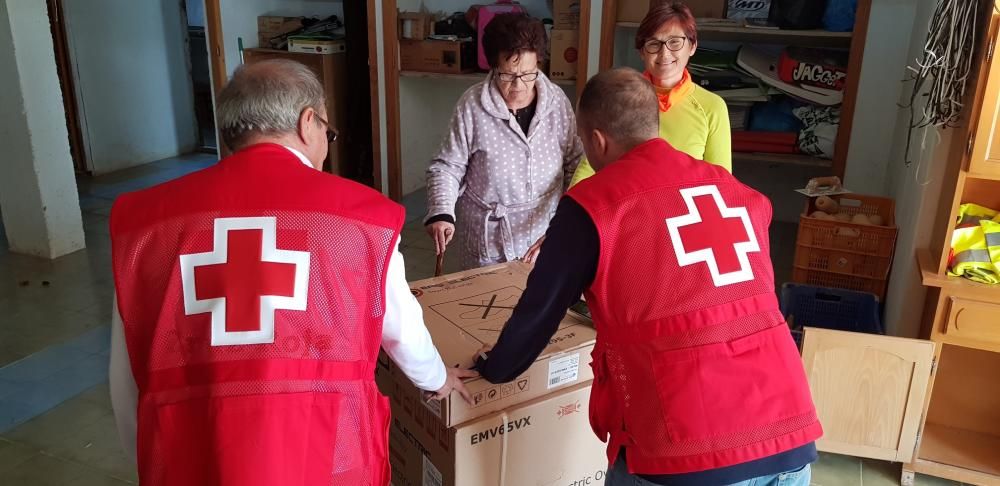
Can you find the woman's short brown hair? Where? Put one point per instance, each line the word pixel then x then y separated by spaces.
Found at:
pixel 513 33
pixel 662 13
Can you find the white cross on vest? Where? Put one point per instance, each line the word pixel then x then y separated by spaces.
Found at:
pixel 244 280
pixel 720 236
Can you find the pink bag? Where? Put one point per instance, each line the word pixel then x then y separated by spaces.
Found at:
pixel 485 14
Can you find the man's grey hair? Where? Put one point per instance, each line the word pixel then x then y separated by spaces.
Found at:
pixel 266 98
pixel 622 104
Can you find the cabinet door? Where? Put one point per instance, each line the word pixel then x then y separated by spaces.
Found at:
pixel 869 391
pixel 985 158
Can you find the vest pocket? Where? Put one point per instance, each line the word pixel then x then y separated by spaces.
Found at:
pixel 246 440
pixel 732 393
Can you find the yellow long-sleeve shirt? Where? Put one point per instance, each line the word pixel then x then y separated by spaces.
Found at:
pixel 697 123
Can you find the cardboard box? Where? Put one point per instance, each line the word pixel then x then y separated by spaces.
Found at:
pixel 566 14
pixel 264 39
pixel 544 441
pixel 316 46
pixel 414 25
pixel 277 25
pixel 565 52
pixel 467 310
pixel 635 10
pixel 749 9
pixel 437 56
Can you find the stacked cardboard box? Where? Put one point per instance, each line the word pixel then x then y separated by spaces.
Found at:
pixel 271 26
pixel 564 41
pixel 533 430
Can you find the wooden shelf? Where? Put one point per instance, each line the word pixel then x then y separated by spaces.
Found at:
pixel 930 277
pixel 468 77
pixel 964 449
pixel 801 160
pixel 739 33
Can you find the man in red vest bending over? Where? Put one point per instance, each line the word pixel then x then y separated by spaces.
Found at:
pixel 252 298
pixel 697 378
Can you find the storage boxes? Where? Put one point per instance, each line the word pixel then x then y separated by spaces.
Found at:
pixel 533 430
pixel 566 14
pixel 565 54
pixel 316 45
pixel 437 56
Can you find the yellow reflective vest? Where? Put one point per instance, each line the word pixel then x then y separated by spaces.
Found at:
pixel 975 245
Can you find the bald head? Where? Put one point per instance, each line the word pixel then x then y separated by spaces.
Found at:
pixel 622 104
pixel 267 99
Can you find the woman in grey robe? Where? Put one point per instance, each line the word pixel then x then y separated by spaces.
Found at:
pixel 508 156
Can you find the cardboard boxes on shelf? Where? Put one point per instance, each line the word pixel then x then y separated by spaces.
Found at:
pixel 437 56
pixel 565 53
pixel 566 14
pixel 271 26
pixel 414 25
pixel 534 430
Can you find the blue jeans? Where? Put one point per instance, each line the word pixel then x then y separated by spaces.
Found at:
pixel 619 476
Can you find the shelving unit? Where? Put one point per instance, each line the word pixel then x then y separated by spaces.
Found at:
pixel 960 438
pixel 783 159
pixel 738 33
pixel 725 32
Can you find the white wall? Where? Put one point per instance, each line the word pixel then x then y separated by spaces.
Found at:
pixel 239 19
pixel 195 13
pixel 887 51
pixel 917 190
pixel 132 80
pixel 38 189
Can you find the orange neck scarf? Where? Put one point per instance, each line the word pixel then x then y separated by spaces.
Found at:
pixel 669 96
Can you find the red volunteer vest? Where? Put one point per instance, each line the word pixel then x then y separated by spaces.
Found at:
pixel 252 295
pixel 695 368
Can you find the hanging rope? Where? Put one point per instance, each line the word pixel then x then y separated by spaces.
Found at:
pixel 943 74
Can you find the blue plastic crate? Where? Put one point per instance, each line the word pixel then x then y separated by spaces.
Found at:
pixel 843 310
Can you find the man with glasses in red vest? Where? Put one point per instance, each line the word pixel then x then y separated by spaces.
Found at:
pixel 252 299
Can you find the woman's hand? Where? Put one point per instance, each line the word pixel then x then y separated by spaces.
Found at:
pixel 534 250
pixel 441 232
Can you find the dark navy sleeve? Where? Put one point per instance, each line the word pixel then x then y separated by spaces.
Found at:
pixel 565 268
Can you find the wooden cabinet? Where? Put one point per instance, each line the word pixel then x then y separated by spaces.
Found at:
pixel 880 397
pixel 974 321
pixel 985 159
pixel 332 72
pixel 869 391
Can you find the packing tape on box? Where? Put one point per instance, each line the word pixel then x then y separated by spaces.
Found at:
pixel 503 450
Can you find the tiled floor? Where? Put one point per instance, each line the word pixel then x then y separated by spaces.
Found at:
pixel 56 426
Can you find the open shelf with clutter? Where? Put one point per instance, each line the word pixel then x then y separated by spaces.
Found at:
pixel 719 64
pixel 420 95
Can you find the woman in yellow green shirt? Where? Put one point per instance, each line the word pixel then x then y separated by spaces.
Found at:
pixel 692 119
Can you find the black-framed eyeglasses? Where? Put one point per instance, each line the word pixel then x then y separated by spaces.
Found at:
pixel 331 133
pixel 674 44
pixel 510 77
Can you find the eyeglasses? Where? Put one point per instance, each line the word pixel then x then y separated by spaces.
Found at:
pixel 331 133
pixel 654 46
pixel 509 77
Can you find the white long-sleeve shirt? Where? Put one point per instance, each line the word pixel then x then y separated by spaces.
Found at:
pixel 404 338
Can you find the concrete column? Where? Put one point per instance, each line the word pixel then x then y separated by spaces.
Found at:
pixel 38 195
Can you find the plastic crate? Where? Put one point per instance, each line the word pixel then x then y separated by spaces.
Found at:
pixel 847 255
pixel 843 310
pixel 859 238
pixel 835 280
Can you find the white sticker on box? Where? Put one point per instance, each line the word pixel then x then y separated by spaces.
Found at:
pixel 564 370
pixel 432 477
pixel 434 406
